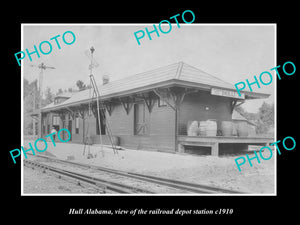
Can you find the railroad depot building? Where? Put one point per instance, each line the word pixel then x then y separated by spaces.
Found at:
pixel 153 111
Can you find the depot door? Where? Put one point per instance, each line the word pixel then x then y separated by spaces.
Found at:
pixel 70 128
pixel 141 118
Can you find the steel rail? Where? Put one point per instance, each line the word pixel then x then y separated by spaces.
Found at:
pixel 107 185
pixel 182 185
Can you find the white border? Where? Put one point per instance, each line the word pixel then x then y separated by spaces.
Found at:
pixel 143 24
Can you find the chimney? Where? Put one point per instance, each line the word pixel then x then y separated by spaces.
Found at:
pixel 105 79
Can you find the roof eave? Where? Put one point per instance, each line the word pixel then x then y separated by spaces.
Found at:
pixel 255 95
pixel 168 83
pixel 248 95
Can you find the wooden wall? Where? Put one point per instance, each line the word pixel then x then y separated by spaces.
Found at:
pixel 161 125
pixel 203 106
pixel 161 122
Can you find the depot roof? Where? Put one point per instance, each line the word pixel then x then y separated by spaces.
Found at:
pixel 177 74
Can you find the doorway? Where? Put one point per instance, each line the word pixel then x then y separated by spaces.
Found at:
pixel 70 129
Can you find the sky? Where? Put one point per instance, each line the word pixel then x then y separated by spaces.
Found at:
pixel 232 52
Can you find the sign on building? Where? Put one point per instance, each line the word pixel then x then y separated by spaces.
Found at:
pixel 226 93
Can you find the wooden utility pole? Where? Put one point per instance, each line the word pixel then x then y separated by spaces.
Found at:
pixel 42 67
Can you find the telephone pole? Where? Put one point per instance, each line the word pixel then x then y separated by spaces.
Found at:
pixel 42 67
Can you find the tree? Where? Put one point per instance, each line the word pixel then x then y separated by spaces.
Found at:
pixel 30 103
pixel 265 119
pixel 26 87
pixel 49 97
pixel 81 86
pixel 60 91
pixel 249 116
pixel 29 88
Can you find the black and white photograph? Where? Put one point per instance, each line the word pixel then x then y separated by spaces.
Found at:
pixel 144 109
pixel 133 112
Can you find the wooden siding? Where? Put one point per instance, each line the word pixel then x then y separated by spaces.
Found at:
pixel 161 125
pixel 160 122
pixel 194 108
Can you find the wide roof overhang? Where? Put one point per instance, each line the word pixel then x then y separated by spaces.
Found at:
pixel 146 89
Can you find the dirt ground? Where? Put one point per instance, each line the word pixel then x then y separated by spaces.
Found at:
pixel 210 170
pixel 37 182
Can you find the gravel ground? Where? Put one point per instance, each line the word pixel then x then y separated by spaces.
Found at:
pixel 37 182
pixel 210 170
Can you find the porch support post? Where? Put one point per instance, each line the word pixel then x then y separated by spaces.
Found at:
pixel 81 112
pixel 149 101
pixel 180 148
pixel 215 149
pixel 40 114
pixel 71 112
pixel 127 104
pixel 165 94
pixel 233 104
pixel 174 98
pixel 109 107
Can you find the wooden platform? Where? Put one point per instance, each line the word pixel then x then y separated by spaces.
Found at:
pixel 213 142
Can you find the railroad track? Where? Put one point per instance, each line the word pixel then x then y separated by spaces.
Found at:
pixel 181 186
pixel 105 185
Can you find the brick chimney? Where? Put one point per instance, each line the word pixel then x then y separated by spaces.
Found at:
pixel 105 79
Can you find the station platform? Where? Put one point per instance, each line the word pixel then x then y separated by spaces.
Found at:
pixel 214 141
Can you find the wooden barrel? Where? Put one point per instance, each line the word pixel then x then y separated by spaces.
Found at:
pixel 226 127
pixel 202 128
pixel 192 128
pixel 242 129
pixel 211 128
